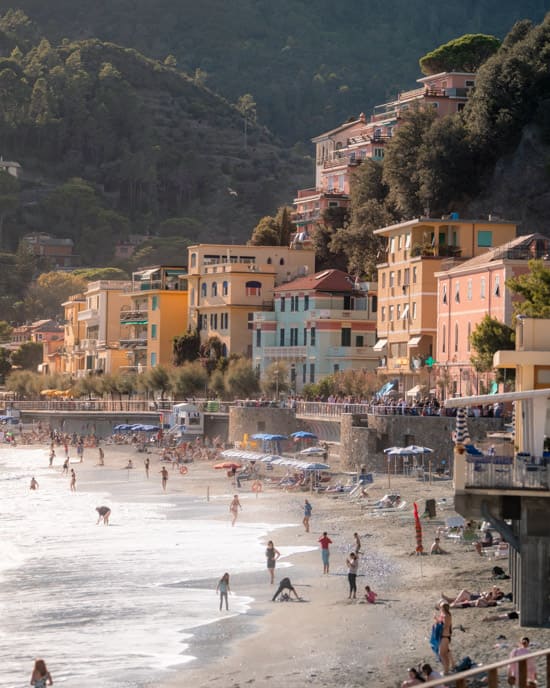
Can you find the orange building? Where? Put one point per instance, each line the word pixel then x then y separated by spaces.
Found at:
pixel 407 323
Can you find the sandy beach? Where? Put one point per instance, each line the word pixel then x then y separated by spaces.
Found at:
pixel 328 639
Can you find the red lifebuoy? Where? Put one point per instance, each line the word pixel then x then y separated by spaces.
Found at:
pixel 183 470
pixel 257 486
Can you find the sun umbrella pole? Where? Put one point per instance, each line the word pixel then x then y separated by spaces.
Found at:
pixel 389 478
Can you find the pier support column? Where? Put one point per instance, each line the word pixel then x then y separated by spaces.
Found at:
pixel 533 564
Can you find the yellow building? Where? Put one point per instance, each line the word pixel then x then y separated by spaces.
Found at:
pixel 157 312
pixel 228 283
pixel 100 346
pixel 74 332
pixel 407 285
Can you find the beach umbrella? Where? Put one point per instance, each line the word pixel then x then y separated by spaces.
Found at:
pixel 316 467
pixel 258 436
pixel 230 465
pixel 462 434
pixel 418 529
pixel 398 451
pixel 303 434
pixel 414 449
pixel 313 451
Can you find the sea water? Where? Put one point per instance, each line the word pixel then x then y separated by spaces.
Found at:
pixel 108 606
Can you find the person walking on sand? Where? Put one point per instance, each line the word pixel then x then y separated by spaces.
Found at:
pixel 272 555
pixel 513 671
pixel 41 677
pixel 234 508
pixel 307 515
pixel 223 589
pixel 164 474
pixel 34 484
pixel 352 563
pixel 325 553
pixel 445 653
pixel 73 480
pixel 104 513
pixel 65 470
pixel 147 463
pixel 357 543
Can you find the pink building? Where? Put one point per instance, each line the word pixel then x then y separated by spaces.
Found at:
pixel 468 291
pixel 339 151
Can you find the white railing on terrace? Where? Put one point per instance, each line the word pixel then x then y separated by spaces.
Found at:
pixel 495 674
pixel 505 472
pixel 102 405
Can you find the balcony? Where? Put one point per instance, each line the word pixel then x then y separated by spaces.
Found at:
pixel 285 353
pixel 348 352
pixel 134 317
pixel 88 315
pixel 134 343
pixel 507 473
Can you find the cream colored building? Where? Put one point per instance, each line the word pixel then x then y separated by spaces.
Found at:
pixel 229 283
pixel 100 345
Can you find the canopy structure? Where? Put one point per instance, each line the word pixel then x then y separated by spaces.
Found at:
pixel 313 451
pixel 388 387
pixel 414 391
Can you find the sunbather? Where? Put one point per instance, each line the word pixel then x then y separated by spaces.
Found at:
pixel 465 598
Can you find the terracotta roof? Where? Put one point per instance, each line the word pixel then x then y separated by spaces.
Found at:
pixel 325 281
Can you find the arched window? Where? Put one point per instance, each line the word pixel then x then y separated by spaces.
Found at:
pixel 203 289
pixel 443 338
pixel 225 288
pixel 214 288
pixel 269 261
pixel 224 350
pixel 282 261
pixel 456 337
pixel 469 336
pixel 193 260
pixel 253 288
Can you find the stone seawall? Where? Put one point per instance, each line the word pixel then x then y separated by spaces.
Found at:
pixel 363 438
pixel 249 420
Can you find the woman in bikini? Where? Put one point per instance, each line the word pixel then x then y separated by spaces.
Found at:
pixel 445 653
pixel 234 508
pixel 40 677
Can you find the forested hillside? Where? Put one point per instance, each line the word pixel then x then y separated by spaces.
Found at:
pixel 308 64
pixel 154 143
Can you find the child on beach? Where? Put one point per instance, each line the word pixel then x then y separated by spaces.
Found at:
pixel 223 589
pixel 370 595
pixel 307 515
pixel 272 555
pixel 352 563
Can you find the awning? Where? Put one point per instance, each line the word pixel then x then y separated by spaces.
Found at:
pixel 380 344
pixel 415 341
pixel 417 389
pixel 147 274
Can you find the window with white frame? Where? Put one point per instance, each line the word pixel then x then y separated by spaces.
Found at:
pixel 469 289
pixel 497 285
pixel 482 288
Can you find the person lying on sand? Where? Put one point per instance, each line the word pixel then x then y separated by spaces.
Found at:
pixel 465 598
pixel 501 617
pixel 415 678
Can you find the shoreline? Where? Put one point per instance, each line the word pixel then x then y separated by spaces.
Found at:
pixel 327 639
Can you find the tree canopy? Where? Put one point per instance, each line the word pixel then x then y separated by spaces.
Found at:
pixel 489 336
pixel 534 287
pixel 464 54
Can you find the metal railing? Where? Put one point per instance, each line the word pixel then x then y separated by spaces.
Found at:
pixel 494 680
pixel 328 410
pixel 101 405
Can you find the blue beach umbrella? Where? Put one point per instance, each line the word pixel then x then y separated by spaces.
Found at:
pixel 303 434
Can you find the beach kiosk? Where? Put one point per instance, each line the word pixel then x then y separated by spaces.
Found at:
pixel 186 421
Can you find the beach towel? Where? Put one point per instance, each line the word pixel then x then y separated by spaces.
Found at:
pixel 435 637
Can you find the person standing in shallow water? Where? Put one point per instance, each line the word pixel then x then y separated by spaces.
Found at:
pixel 234 508
pixel 41 677
pixel 223 589
pixel 73 480
pixel 272 555
pixel 307 515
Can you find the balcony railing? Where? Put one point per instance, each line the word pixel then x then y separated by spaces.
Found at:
pixel 289 353
pixel 136 343
pixel 505 472
pixel 134 317
pixel 88 314
pixel 351 352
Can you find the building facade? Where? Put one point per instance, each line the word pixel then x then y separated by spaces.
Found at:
pixel 339 151
pixel 100 346
pixel 470 290
pixel 228 283
pixel 407 322
pixel 157 312
pixel 321 324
